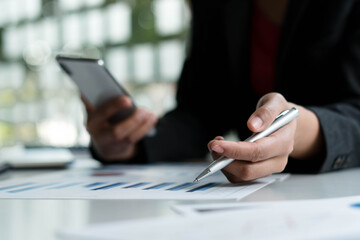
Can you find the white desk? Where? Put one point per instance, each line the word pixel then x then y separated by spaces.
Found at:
pixel 39 219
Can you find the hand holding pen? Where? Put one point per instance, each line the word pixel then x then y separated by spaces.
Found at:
pixel 264 156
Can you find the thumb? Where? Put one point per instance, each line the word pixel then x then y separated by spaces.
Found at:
pixel 269 107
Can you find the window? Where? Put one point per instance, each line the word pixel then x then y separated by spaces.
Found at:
pixel 141 41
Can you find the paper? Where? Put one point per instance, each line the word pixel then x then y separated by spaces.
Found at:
pixel 310 219
pixel 210 208
pixel 132 182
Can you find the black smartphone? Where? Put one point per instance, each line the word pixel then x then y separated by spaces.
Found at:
pixel 95 83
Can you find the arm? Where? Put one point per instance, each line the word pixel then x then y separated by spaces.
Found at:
pixel 340 120
pixel 323 138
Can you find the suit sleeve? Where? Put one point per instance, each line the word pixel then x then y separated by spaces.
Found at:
pixel 184 132
pixel 340 121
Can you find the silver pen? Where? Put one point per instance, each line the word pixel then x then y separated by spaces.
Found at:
pixel 281 120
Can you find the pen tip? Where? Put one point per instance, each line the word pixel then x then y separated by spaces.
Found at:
pixel 196 180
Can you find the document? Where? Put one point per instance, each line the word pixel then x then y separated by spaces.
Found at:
pixel 170 181
pixel 309 219
pixel 210 208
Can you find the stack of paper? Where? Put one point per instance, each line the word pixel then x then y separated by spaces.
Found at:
pixel 312 219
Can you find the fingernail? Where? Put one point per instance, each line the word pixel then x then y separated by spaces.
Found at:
pixel 256 122
pixel 217 149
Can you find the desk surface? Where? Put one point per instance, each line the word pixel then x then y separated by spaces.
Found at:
pixel 40 219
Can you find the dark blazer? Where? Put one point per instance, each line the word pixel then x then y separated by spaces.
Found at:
pixel 318 66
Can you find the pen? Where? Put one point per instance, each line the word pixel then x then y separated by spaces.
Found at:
pixel 281 120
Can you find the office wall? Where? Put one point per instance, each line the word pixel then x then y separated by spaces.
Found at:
pixel 142 42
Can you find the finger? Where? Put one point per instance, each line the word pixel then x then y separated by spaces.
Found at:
pixel 214 155
pixel 123 129
pixel 269 107
pixel 103 135
pixel 279 143
pixel 144 129
pixel 108 134
pixel 104 112
pixel 212 141
pixel 240 171
pixel 219 138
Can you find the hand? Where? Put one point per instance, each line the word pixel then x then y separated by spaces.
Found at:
pixel 301 138
pixel 117 141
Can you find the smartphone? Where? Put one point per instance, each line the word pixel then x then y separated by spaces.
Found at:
pixel 95 83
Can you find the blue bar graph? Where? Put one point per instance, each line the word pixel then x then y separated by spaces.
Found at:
pixel 181 186
pixel 15 186
pixel 137 185
pixel 204 187
pixel 94 184
pixel 66 185
pixel 110 186
pixel 356 205
pixel 32 188
pixel 158 186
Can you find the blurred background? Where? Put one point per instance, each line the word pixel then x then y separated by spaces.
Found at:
pixel 142 42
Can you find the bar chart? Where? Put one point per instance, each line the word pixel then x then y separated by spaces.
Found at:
pixel 151 182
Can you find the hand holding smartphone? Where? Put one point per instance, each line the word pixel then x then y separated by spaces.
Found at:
pixel 117 140
pixel 95 83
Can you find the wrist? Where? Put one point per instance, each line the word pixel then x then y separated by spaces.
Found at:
pixel 309 140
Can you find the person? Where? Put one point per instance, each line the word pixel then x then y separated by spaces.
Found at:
pixel 249 60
